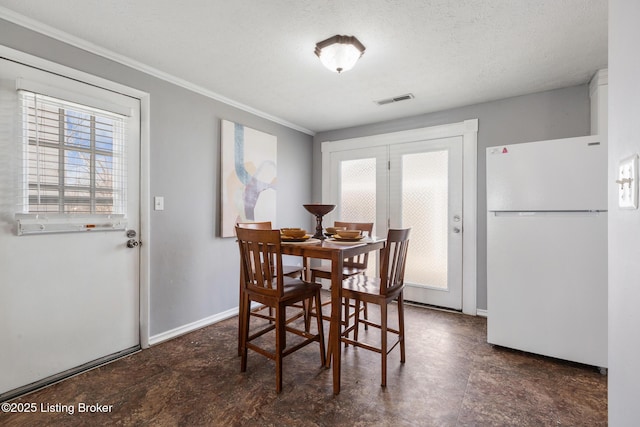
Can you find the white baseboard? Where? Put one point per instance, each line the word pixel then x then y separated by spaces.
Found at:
pixel 190 327
pixel 480 312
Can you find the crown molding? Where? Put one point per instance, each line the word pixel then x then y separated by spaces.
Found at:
pixel 600 78
pixel 69 39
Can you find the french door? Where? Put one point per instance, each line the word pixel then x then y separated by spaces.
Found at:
pixel 361 187
pixel 426 195
pixel 415 184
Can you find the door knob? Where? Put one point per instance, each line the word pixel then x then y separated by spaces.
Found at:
pixel 457 230
pixel 132 243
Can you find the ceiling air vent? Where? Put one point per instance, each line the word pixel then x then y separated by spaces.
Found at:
pixel 395 99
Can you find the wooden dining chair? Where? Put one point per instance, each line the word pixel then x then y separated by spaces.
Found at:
pixel 351 267
pixel 291 270
pixel 381 290
pixel 260 255
pixel 288 270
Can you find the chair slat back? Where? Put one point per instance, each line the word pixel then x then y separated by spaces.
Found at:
pixel 360 261
pixel 394 259
pixel 256 225
pixel 260 257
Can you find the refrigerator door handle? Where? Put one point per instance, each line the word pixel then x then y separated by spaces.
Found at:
pixel 546 213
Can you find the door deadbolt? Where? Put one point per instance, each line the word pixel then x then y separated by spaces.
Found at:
pixel 131 234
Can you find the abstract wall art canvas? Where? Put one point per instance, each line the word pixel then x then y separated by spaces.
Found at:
pixel 248 176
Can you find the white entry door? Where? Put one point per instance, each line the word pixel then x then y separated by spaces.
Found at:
pixel 426 194
pixel 417 185
pixel 69 195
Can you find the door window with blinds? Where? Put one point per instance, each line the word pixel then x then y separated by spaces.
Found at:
pixel 74 170
pixel 74 157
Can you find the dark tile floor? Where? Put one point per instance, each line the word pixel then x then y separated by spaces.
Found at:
pixel 452 377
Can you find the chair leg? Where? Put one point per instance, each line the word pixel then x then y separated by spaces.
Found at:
pixel 345 304
pixel 383 329
pixel 307 317
pixel 280 344
pixel 307 306
pixel 366 315
pixel 327 361
pixel 244 335
pixel 323 359
pixel 356 322
pixel 240 320
pixel 401 326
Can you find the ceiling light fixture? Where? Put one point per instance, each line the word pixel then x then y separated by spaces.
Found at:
pixel 339 53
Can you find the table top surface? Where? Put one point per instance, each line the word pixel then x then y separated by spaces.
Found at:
pixel 326 248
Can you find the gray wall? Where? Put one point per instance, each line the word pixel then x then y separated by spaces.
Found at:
pixel 547 115
pixel 194 274
pixel 624 225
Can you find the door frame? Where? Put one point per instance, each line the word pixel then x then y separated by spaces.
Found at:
pixel 468 130
pixel 145 208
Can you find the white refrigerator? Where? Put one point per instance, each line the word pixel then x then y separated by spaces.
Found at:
pixel 547 248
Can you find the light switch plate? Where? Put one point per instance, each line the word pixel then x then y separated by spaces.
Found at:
pixel 158 203
pixel 628 183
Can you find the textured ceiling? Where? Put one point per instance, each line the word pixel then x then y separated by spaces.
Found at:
pixel 448 53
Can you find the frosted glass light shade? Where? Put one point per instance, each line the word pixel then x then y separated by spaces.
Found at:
pixel 339 53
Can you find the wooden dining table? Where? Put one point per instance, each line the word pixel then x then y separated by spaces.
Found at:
pixel 336 252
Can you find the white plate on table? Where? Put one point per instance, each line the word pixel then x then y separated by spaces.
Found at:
pixel 348 241
pixel 300 241
pixel 284 238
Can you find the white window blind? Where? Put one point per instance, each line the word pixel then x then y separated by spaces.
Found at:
pixel 73 158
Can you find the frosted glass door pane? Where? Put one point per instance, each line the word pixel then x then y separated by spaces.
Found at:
pixel 358 195
pixel 358 190
pixel 425 200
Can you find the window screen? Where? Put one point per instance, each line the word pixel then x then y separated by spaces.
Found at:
pixel 73 158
